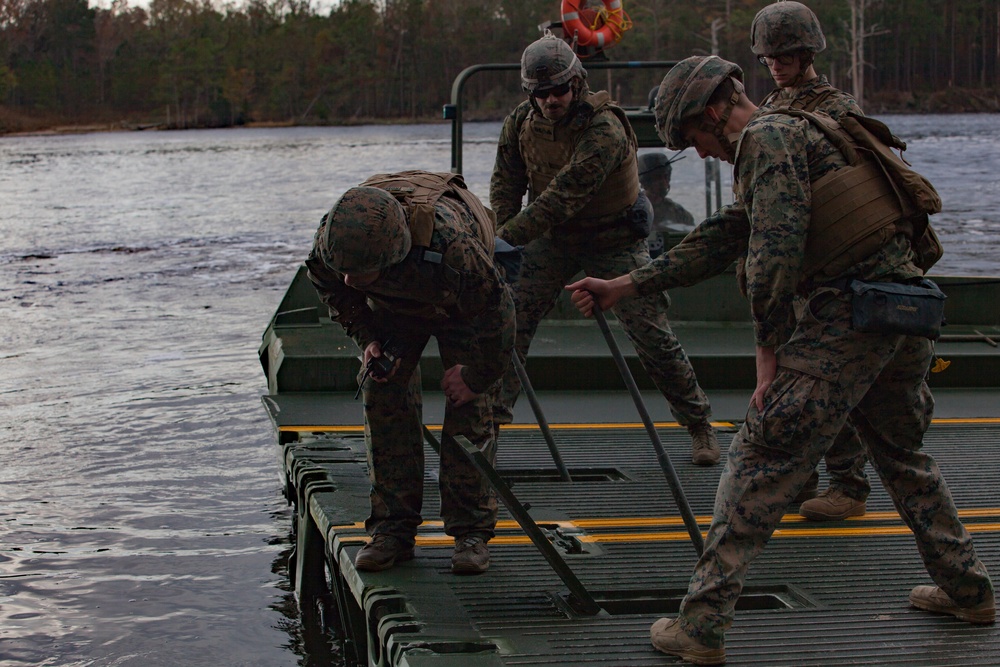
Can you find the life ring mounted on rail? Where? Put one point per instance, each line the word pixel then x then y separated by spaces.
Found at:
pixel 597 28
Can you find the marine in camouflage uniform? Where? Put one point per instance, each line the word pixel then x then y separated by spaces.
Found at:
pixel 785 37
pixel 810 382
pixel 780 29
pixel 382 284
pixel 574 153
pixel 669 217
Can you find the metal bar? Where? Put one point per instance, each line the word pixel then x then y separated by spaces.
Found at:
pixel 661 454
pixel 978 337
pixel 708 188
pixel 717 174
pixel 431 440
pixel 458 86
pixel 543 423
pixel 583 602
pixel 986 338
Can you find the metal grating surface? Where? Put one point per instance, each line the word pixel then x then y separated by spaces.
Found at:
pixel 856 584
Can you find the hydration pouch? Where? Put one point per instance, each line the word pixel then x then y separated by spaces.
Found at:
pixel 508 258
pixel 891 308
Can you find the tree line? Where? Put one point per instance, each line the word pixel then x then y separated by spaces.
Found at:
pixel 195 63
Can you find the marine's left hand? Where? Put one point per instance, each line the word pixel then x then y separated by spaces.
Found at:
pixel 455 389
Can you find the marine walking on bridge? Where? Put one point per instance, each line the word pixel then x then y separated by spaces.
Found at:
pixel 810 382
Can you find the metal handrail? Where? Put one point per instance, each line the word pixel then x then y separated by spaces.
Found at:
pixel 454 110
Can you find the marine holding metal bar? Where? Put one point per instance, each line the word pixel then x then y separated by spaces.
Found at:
pixel 809 382
pixel 573 152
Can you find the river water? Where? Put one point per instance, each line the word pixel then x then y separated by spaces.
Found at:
pixel 141 520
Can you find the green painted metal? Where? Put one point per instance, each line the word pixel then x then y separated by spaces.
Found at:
pixel 303 351
pixel 607 555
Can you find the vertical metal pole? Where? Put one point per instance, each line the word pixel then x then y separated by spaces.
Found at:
pixel 431 440
pixel 661 454
pixel 718 184
pixel 708 188
pixel 543 424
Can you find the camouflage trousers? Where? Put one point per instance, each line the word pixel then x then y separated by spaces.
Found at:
pixel 826 373
pixel 846 459
pixel 549 265
pixel 845 463
pixel 394 441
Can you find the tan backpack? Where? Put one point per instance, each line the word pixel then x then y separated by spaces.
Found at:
pixel 418 191
pixel 858 137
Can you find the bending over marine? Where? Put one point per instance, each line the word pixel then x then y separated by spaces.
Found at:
pixel 399 259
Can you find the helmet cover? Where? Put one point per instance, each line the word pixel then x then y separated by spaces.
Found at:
pixel 685 91
pixel 549 62
pixel 654 164
pixel 786 27
pixel 366 231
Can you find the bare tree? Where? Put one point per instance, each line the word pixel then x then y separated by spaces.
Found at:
pixel 857 33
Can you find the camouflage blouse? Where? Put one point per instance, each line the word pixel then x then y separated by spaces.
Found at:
pixel 601 148
pixel 464 288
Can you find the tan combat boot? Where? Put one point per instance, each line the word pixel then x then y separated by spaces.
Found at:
pixel 471 555
pixel 382 552
pixel 668 637
pixel 704 444
pixel 832 505
pixel 932 598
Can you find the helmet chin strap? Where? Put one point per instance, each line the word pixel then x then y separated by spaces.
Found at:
pixel 806 59
pixel 729 145
pixel 718 128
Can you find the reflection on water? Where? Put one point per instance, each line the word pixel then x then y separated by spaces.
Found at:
pixel 310 639
pixel 142 518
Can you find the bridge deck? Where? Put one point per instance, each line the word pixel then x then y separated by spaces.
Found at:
pixel 821 594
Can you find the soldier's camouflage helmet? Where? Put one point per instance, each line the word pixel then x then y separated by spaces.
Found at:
pixel 786 27
pixel 366 231
pixel 684 94
pixel 549 62
pixel 654 164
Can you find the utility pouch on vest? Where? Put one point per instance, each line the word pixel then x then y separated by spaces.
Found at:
pixel 891 308
pixel 508 257
pixel 640 216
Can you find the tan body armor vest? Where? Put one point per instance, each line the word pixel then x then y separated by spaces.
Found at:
pixel 419 192
pixel 547 146
pixel 858 208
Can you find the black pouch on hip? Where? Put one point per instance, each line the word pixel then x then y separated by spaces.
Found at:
pixel 891 308
pixel 640 216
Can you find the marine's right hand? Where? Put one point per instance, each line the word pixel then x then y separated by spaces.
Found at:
pixel 767 370
pixel 374 350
pixel 604 293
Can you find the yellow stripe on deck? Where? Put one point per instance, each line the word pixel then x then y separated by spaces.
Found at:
pixel 359 428
pixel 813 529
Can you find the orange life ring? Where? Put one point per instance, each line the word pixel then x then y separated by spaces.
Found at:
pixel 598 28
